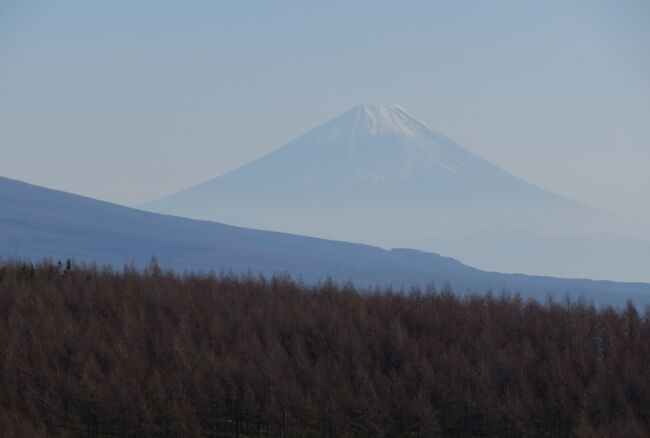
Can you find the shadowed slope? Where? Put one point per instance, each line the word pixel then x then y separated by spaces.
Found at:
pixel 36 222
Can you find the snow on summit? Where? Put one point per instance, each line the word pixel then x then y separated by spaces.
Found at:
pixel 374 120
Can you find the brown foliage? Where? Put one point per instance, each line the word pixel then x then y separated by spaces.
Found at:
pixel 95 352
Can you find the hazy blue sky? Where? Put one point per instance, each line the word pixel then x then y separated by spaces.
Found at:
pixel 130 100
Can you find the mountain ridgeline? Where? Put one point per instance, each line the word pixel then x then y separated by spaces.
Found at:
pixel 36 222
pixel 377 175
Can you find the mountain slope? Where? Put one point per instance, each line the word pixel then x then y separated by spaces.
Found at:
pixel 377 175
pixel 36 222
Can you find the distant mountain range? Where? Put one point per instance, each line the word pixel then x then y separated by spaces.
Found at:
pixel 377 175
pixel 36 222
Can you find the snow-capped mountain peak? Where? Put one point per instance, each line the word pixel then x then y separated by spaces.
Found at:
pixel 368 145
pixel 374 121
pixel 383 119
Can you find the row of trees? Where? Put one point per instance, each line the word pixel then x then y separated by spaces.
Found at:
pixel 101 353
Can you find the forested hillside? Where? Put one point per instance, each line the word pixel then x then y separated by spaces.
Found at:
pixel 97 353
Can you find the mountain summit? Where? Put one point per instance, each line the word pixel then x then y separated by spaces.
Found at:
pixel 375 121
pixel 375 143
